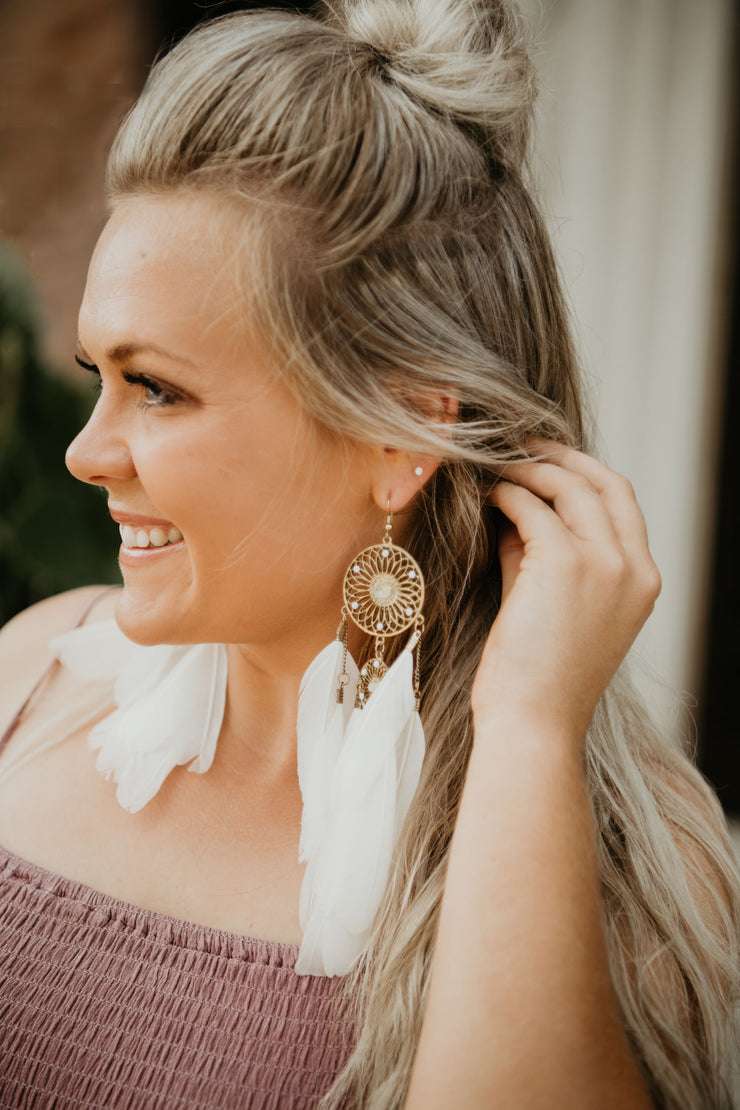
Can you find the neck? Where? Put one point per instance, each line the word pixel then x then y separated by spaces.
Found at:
pixel 259 729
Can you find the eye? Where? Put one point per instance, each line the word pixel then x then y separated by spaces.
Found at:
pixel 157 396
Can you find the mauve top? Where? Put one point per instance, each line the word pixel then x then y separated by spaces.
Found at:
pixel 104 1004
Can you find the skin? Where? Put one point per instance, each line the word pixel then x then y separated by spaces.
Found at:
pixel 271 510
pixel 238 468
pixel 272 517
pixel 531 1021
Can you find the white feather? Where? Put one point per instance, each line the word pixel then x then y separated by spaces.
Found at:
pixel 146 670
pixel 372 731
pixel 170 705
pixel 94 651
pixel 358 769
pixel 358 853
pixel 340 947
pixel 175 722
pixel 317 703
pixel 320 730
pixel 376 774
pixel 309 960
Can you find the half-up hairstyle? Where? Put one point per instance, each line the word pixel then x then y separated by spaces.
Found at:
pixel 390 246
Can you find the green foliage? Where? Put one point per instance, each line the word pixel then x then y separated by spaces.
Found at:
pixel 55 532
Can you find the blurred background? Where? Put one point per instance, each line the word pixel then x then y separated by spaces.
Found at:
pixel 637 161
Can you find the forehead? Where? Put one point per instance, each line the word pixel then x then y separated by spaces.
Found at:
pixel 162 262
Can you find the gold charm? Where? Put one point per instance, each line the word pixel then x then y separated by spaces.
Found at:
pixel 383 595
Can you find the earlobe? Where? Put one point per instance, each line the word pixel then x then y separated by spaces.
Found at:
pixel 400 477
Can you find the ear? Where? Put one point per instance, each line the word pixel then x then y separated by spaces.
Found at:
pixel 398 476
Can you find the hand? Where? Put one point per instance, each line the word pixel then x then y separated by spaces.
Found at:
pixel 578 584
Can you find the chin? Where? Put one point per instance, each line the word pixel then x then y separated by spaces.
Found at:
pixel 149 623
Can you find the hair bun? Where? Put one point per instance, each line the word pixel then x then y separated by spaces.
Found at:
pixel 464 58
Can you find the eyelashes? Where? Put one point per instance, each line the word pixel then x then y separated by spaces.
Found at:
pixel 156 395
pixel 98 383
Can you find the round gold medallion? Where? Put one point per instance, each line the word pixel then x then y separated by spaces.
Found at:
pixel 384 589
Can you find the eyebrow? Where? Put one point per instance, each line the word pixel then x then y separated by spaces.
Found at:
pixel 123 351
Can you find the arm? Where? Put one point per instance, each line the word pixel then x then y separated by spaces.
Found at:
pixel 521 1008
pixel 521 1011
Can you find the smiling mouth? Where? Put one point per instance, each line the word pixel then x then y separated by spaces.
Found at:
pixel 139 539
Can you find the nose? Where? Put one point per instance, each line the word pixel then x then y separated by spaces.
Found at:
pixel 99 454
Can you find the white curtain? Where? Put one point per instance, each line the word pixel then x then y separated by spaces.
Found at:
pixel 633 129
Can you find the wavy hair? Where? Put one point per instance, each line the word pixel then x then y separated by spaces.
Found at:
pixel 390 246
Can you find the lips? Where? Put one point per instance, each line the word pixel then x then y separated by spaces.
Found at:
pixel 122 516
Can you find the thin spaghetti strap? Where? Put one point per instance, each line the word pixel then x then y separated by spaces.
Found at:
pixel 81 617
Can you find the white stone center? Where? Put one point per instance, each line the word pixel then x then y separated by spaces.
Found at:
pixel 384 589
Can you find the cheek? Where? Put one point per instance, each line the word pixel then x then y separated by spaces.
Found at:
pixel 237 488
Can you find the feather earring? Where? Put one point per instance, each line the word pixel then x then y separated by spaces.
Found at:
pixel 170 704
pixel 358 770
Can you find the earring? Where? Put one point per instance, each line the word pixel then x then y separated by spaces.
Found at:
pixel 359 768
pixel 383 594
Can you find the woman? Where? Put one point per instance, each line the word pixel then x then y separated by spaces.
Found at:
pixel 325 317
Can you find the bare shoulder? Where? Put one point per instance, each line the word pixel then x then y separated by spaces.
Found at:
pixel 24 640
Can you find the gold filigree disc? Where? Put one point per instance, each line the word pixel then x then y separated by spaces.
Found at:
pixel 384 589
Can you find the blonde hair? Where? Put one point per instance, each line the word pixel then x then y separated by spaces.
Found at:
pixel 378 159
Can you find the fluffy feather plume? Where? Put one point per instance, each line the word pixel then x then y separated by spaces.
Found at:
pixel 94 651
pixel 366 801
pixel 170 703
pixel 320 727
pixel 358 769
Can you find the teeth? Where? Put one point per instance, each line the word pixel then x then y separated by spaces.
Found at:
pixel 158 537
pixel 152 537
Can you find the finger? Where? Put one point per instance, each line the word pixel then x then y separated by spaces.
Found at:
pixel 615 489
pixel 510 547
pixel 533 519
pixel 573 498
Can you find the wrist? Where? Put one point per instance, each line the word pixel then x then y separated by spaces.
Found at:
pixel 517 726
